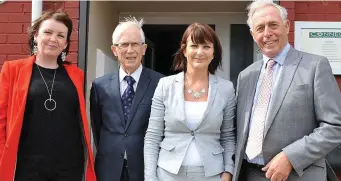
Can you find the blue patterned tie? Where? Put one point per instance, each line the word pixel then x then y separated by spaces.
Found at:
pixel 128 96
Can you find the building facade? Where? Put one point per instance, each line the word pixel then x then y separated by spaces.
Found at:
pixel 94 22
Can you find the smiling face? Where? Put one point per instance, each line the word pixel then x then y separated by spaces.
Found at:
pixel 198 55
pixel 269 31
pixel 130 49
pixel 51 38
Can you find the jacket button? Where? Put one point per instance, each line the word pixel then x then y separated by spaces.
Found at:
pixel 121 155
pixel 125 135
pixel 192 133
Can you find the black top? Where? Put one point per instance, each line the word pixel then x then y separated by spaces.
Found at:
pixel 53 134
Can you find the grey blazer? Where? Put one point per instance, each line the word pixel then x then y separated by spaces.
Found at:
pixel 168 137
pixel 304 119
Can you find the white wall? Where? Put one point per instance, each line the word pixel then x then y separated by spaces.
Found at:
pixel 105 63
pixel 103 18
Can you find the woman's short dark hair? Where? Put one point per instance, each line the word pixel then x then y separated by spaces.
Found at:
pixel 200 34
pixel 58 15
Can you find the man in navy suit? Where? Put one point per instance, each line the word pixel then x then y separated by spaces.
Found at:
pixel 120 107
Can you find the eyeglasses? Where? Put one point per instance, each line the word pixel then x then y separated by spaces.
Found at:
pixel 125 45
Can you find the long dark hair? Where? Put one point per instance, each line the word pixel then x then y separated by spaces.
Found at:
pixel 58 15
pixel 200 34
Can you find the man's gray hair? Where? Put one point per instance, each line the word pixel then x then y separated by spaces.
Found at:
pixel 254 6
pixel 129 22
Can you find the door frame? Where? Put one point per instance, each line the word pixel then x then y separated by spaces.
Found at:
pixel 151 45
pixel 221 20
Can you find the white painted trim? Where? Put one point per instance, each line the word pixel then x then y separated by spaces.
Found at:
pixel 37 9
pixel 221 20
pixel 299 25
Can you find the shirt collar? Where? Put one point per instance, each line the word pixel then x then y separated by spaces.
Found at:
pixel 136 75
pixel 280 57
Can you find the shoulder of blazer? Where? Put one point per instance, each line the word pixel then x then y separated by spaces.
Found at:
pixel 253 66
pixel 105 78
pixel 170 81
pixel 14 66
pixel 73 69
pixel 153 74
pixel 74 72
pixel 313 58
pixel 223 82
pixel 20 62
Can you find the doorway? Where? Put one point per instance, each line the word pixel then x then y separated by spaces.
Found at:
pixel 163 42
pixel 241 50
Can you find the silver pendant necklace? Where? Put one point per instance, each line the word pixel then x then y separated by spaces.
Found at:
pixel 195 94
pixel 49 100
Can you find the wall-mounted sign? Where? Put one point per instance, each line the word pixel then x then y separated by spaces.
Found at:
pixel 321 38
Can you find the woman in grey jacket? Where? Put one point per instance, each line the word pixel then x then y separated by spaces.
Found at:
pixel 191 129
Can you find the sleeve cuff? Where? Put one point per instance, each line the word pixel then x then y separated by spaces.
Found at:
pixel 229 169
pixel 294 162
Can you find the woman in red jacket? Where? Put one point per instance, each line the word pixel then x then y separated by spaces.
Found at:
pixel 44 133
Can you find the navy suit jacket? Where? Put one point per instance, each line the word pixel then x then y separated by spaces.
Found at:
pixel 112 134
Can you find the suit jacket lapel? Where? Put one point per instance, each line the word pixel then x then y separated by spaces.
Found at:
pixel 140 91
pixel 289 68
pixel 180 99
pixel 250 86
pixel 23 83
pixel 116 95
pixel 213 87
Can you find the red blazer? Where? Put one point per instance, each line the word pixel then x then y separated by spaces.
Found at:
pixel 14 83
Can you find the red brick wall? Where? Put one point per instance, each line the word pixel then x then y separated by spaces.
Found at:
pixel 15 18
pixel 313 11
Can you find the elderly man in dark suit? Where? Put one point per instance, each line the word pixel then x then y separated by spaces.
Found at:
pixel 288 106
pixel 120 107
